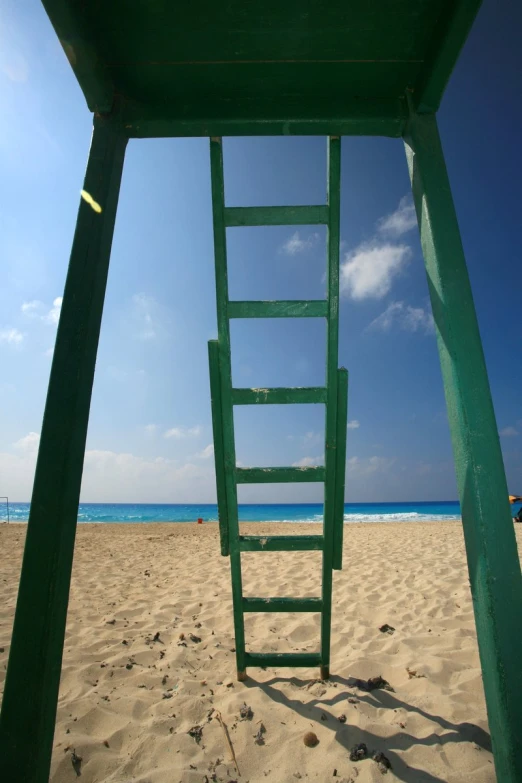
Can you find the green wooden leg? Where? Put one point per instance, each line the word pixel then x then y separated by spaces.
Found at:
pixel 228 473
pixel 332 352
pixel 33 675
pixel 494 570
pixel 340 467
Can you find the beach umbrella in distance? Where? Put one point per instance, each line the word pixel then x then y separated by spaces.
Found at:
pixel 515 498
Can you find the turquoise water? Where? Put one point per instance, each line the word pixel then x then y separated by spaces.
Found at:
pixel 284 512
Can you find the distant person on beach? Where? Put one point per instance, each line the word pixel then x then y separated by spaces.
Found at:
pixel 518 515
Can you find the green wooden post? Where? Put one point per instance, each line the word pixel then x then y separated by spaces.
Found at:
pixel 33 675
pixel 340 468
pixel 494 569
pixel 332 352
pixel 219 448
pixel 229 490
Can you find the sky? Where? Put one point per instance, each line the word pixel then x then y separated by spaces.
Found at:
pixel 150 430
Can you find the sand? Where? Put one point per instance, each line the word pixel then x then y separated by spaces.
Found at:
pixel 135 681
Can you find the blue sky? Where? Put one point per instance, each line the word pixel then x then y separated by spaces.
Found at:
pixel 150 429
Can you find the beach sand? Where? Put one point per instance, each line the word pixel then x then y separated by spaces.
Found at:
pixel 128 701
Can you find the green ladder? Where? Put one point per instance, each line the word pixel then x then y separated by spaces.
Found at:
pixel 224 397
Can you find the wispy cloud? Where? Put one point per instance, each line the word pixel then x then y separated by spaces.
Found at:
pixel 368 271
pixel 298 244
pixel 206 453
pixel 11 336
pixel 405 317
pixel 29 443
pixel 150 318
pixel 53 316
pixel 399 222
pixel 508 432
pixel 38 310
pixel 110 476
pixel 33 309
pixel 178 433
pixel 353 424
pixel 366 466
pixel 308 462
pixel 150 430
pixel 312 437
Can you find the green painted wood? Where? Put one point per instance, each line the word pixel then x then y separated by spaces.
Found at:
pixel 494 569
pixel 279 396
pixel 451 30
pixel 280 543
pixel 33 675
pixel 225 372
pixel 80 48
pixel 279 475
pixel 333 241
pixel 282 604
pixel 340 466
pixel 306 660
pixel 275 116
pixel 249 62
pixel 219 447
pixel 280 309
pixel 276 216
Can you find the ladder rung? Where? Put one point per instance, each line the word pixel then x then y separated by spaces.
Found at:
pixel 276 216
pixel 279 396
pixel 283 659
pixel 279 543
pixel 282 604
pixel 279 475
pixel 291 308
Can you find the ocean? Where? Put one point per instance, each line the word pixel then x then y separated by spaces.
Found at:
pixel 273 512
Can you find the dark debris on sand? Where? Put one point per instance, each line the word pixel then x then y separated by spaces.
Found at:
pixel 245 712
pixel 76 761
pixel 373 684
pixel 382 761
pixel 258 738
pixel 358 752
pixel 196 732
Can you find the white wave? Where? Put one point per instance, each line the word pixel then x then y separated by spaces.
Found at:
pixel 409 516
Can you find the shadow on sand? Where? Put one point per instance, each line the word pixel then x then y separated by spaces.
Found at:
pixel 313 709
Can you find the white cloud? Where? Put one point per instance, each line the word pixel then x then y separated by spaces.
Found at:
pixel 368 271
pixel 183 432
pixel 401 221
pixel 206 453
pixel 353 425
pixel 508 432
pixel 115 477
pixel 297 244
pixel 36 310
pixel 410 319
pixel 53 316
pixel 369 465
pixel 33 309
pixel 308 462
pixel 11 336
pixel 112 476
pixel 312 437
pixel 29 443
pixel 150 430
